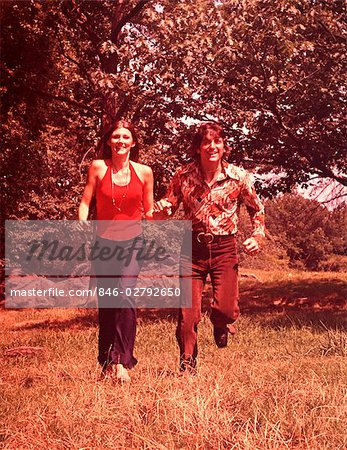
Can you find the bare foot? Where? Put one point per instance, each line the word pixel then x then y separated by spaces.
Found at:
pixel 231 329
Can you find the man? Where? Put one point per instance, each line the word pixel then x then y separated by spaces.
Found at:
pixel 211 191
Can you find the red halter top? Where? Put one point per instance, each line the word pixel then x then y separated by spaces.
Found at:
pixel 119 203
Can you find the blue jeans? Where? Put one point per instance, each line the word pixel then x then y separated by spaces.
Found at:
pixel 116 307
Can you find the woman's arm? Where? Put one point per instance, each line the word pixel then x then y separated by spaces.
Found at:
pixel 89 191
pixel 148 192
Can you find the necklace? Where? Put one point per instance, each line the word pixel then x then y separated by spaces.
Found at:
pixel 127 180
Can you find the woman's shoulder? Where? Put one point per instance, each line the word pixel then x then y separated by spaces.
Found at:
pixel 99 163
pixel 144 172
pixel 98 168
pixel 141 168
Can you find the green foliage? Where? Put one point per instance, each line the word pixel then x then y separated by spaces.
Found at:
pixel 334 263
pixel 336 229
pixel 301 234
pixel 265 70
pixel 308 232
pixel 273 255
pixel 272 72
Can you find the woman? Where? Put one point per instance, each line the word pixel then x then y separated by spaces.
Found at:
pixel 124 193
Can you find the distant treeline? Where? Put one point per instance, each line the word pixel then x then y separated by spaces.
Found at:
pixel 301 234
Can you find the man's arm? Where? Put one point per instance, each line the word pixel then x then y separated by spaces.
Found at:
pixel 168 205
pixel 256 213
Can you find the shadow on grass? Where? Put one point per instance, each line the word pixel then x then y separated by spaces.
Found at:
pixel 282 303
pixel 89 319
pixel 157 315
pixel 317 320
pixel 82 321
pixel 299 295
pixel 319 304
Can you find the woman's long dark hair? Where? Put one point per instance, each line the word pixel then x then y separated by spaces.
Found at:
pixel 106 152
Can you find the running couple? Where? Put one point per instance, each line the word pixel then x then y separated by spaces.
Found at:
pixel 211 191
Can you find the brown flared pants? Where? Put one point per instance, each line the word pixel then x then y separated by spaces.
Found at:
pixel 219 259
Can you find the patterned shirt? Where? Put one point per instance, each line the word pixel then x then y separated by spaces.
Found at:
pixel 216 208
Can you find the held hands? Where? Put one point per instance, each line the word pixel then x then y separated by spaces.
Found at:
pixel 83 226
pixel 251 246
pixel 162 210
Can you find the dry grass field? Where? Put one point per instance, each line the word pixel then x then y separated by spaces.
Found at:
pixel 280 383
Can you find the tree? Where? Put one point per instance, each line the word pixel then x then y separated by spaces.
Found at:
pixel 272 72
pixel 58 66
pixel 304 228
pixel 336 229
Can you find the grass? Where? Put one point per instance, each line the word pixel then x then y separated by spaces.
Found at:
pixel 280 384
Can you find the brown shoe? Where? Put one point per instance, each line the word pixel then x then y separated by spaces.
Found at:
pixel 221 335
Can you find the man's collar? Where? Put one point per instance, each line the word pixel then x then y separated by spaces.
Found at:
pixel 228 170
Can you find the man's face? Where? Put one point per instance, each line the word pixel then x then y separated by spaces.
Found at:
pixel 211 147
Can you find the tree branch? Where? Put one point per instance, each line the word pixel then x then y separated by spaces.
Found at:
pixel 300 81
pixel 334 198
pixel 127 18
pixel 324 171
pixel 61 98
pixel 335 36
pixel 82 21
pixel 77 63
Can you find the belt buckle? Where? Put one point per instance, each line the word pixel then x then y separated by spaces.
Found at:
pixel 208 238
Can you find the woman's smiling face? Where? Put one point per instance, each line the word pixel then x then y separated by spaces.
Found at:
pixel 121 141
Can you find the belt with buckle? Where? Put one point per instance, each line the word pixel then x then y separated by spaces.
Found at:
pixel 204 237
